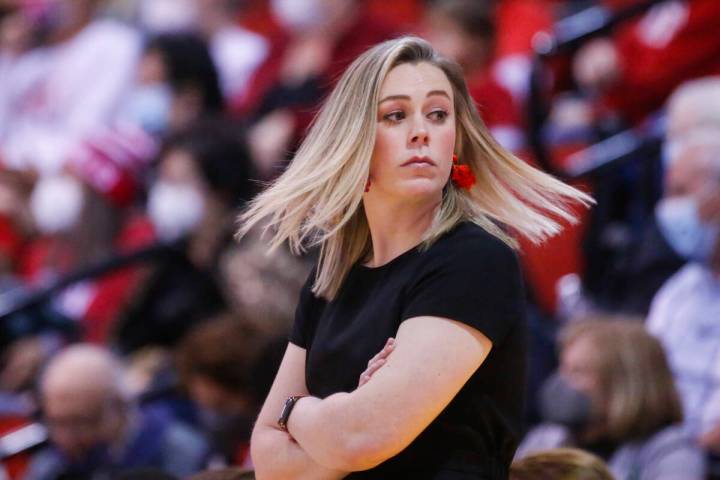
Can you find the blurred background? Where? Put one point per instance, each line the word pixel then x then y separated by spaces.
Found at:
pixel 136 334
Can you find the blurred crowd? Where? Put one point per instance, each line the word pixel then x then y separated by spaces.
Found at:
pixel 138 339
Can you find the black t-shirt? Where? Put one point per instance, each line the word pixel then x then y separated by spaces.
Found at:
pixel 467 275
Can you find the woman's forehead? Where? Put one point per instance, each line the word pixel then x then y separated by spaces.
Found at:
pixel 413 79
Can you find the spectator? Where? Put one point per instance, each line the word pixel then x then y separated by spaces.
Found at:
pixel 95 429
pixel 219 362
pixel 464 30
pixel 693 106
pixel 237 52
pixel 614 396
pixel 177 83
pixel 204 174
pixel 684 312
pixel 83 217
pixel 560 464
pixel 629 279
pixel 56 93
pixel 643 62
pixel 320 39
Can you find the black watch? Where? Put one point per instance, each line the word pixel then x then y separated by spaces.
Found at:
pixel 287 408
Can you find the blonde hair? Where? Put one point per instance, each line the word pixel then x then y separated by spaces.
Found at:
pixel 560 464
pixel 318 199
pixel 637 388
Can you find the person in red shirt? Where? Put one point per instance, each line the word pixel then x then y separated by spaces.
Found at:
pixel 316 41
pixel 465 30
pixel 638 67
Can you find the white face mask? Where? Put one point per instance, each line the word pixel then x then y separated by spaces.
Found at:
pixel 687 234
pixel 298 14
pixel 175 209
pixel 148 106
pixel 56 203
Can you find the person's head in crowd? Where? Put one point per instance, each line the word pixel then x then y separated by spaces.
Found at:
pixel 224 474
pixel 84 404
pixel 463 30
pixel 215 361
pixel 204 173
pixel 694 106
pixel 299 16
pixel 85 203
pixel 560 464
pixel 613 385
pixel 688 215
pixel 218 363
pixel 177 83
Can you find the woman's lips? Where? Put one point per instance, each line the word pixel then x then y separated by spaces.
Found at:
pixel 419 162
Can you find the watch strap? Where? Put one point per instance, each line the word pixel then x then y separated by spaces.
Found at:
pixel 286 410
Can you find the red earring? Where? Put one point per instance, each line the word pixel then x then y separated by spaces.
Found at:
pixel 462 176
pixel 367 186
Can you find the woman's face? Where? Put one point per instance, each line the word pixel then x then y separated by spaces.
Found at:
pixel 577 368
pixel 415 134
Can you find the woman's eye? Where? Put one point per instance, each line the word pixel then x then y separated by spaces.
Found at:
pixel 438 115
pixel 394 117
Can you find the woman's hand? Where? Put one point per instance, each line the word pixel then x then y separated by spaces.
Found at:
pixel 377 361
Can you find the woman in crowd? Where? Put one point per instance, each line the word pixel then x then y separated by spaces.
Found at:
pixel 615 397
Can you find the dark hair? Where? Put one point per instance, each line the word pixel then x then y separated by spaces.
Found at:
pixel 224 351
pixel 222 156
pixel 188 63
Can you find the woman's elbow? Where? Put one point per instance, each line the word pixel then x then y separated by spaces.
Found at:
pixel 364 451
pixel 261 452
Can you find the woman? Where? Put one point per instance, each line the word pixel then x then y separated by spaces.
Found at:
pixel 404 253
pixel 615 397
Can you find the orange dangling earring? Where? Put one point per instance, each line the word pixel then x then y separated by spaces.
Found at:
pixel 461 175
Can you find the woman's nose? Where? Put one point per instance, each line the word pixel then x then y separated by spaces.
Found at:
pixel 419 134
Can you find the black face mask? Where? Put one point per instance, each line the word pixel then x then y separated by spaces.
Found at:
pixel 561 403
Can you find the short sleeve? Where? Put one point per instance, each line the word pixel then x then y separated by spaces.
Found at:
pixel 303 326
pixel 475 280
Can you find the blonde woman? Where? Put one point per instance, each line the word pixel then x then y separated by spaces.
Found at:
pixel 615 397
pixel 412 260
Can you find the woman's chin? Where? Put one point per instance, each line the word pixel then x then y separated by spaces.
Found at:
pixel 420 187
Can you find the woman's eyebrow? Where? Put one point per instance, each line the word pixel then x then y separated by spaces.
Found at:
pixel 407 97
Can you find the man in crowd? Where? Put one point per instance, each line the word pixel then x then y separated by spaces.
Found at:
pixel 96 431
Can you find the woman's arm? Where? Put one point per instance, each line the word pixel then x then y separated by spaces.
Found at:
pixel 432 360
pixel 275 454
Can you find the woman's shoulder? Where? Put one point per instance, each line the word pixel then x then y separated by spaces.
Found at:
pixel 469 241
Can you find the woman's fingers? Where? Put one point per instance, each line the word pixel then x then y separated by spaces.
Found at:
pixel 367 374
pixel 377 361
pixel 387 349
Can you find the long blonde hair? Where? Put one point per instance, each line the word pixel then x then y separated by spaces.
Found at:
pixel 637 390
pixel 318 199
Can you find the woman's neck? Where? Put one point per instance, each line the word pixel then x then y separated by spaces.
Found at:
pixel 396 228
